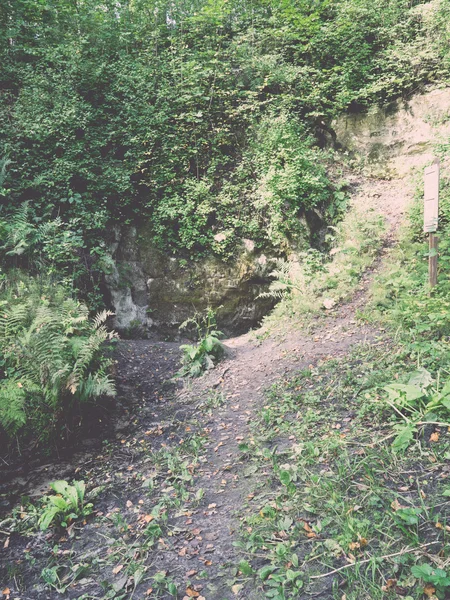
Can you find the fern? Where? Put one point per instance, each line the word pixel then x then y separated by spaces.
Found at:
pixel 18 231
pixel 285 281
pixel 52 346
pixel 12 405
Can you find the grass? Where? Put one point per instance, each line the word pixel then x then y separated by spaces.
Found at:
pixel 341 500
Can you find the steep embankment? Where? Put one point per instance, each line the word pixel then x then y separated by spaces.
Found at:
pixel 198 489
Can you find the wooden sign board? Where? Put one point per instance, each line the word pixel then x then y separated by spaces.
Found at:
pixel 431 209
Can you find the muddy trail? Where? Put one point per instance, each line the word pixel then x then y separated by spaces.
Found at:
pixel 169 481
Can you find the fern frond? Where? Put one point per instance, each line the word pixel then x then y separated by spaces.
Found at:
pixel 101 317
pixel 53 346
pixel 12 404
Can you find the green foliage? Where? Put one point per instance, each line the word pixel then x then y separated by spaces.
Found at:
pixel 417 402
pixel 55 248
pixel 197 118
pixel 312 280
pixel 402 294
pixel 209 349
pixel 61 579
pixel 323 476
pixel 51 360
pixel 402 297
pixel 437 577
pixel 65 506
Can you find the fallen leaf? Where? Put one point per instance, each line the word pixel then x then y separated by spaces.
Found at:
pixel 236 588
pixel 362 542
pixel 147 518
pixel 192 593
pixel 309 532
pixel 390 583
pixel 395 505
pixel 117 569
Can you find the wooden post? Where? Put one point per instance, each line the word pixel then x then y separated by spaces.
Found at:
pixel 431 217
pixel 432 259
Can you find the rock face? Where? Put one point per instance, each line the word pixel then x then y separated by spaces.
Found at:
pixel 152 292
pixel 393 140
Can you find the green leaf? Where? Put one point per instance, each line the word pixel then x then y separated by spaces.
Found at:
pixel 47 517
pixel 285 477
pixel 72 497
pixel 422 571
pixel 409 515
pixel 404 438
pixel 59 502
pixel 59 487
pixel 138 576
pixel 410 392
pixel 245 568
pixel 420 378
pixel 80 487
pixel 50 575
pixel 172 589
pixel 264 572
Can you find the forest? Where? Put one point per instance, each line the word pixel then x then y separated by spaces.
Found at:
pixel 225 133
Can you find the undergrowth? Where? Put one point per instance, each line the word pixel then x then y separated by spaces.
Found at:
pixel 52 360
pixel 208 351
pixel 353 453
pixel 132 536
pixel 338 509
pixel 311 281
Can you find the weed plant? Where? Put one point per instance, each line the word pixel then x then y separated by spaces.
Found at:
pixel 208 350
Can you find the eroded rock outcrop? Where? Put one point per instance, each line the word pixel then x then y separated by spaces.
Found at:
pixel 391 141
pixel 151 291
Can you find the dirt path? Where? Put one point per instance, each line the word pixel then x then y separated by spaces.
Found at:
pixel 197 552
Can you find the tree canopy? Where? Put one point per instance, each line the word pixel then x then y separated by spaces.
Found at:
pixel 200 117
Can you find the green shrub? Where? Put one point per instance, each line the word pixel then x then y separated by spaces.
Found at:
pixel 209 349
pixel 51 360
